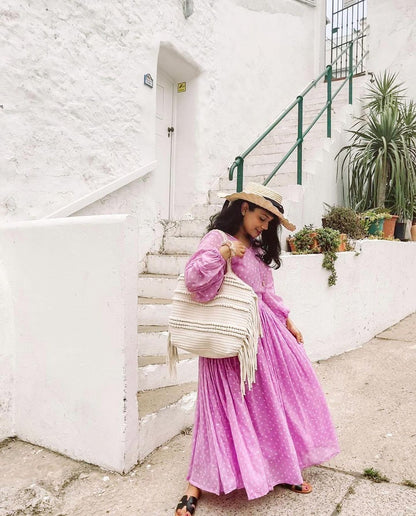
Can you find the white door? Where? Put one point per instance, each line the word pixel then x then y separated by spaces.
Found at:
pixel 165 134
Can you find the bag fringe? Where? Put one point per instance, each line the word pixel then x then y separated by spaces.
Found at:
pixel 172 358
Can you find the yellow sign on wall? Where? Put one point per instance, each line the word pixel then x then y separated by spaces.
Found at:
pixel 181 87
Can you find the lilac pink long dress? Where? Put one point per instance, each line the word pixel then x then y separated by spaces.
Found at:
pixel 282 425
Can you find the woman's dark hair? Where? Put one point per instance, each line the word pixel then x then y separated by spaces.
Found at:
pixel 229 220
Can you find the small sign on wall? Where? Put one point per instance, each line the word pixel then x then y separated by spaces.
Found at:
pixel 148 80
pixel 181 87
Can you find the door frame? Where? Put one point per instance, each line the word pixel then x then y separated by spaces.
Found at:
pixel 171 186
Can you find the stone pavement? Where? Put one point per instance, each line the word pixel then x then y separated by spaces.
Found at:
pixel 371 393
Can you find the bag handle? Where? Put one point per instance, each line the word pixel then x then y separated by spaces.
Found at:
pixel 225 239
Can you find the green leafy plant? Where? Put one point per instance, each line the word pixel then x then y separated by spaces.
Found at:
pixel 329 241
pixel 370 216
pixel 409 483
pixel 305 240
pixel 375 475
pixel 310 240
pixel 344 220
pixel 384 92
pixel 380 161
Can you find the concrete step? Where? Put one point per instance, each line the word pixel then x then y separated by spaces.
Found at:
pixel 189 228
pixel 227 186
pixel 153 312
pixel 153 341
pixel 144 361
pixel 204 211
pixel 285 176
pixel 291 127
pixel 154 373
pixel 156 285
pixel 266 168
pixel 282 178
pixel 164 413
pixel 269 158
pixel 270 146
pixel 181 245
pixel 169 264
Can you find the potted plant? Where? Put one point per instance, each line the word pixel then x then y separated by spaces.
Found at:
pixel 344 220
pixel 373 221
pixel 413 228
pixel 310 240
pixel 389 226
pixel 304 241
pixel 380 162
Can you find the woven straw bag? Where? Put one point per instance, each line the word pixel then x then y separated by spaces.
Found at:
pixel 227 326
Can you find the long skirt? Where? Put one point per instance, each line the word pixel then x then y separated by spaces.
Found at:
pixel 266 438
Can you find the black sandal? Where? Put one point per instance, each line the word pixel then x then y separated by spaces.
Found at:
pixel 188 502
pixel 304 488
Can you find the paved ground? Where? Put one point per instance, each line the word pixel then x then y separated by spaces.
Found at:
pixel 371 392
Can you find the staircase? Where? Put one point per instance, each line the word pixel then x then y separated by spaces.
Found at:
pixel 166 404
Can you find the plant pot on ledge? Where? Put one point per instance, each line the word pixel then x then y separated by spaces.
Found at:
pixel 403 230
pixel 292 245
pixel 413 231
pixel 343 243
pixel 389 226
pixel 376 227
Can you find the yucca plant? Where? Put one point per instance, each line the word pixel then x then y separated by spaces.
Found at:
pixel 384 92
pixel 380 161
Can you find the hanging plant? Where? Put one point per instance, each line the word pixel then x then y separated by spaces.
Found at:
pixel 310 240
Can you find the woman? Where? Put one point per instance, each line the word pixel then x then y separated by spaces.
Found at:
pixel 282 425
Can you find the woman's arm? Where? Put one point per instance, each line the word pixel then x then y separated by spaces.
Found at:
pixel 205 270
pixel 277 305
pixel 274 301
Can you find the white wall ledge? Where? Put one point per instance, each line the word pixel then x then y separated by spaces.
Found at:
pixel 74 293
pixel 374 290
pixel 308 2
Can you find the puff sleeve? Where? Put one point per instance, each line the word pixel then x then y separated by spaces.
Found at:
pixel 204 271
pixel 274 301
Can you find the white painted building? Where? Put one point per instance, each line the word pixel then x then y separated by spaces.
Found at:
pixel 76 114
pixel 86 142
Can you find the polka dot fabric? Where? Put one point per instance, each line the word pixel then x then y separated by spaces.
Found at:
pixel 283 424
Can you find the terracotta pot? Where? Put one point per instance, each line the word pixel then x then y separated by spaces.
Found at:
pixel 389 226
pixel 313 235
pixel 291 242
pixel 413 232
pixel 343 244
pixel 315 245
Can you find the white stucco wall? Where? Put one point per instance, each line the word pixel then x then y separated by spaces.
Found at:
pixel 6 356
pixel 374 291
pixel 322 183
pixel 74 289
pixel 393 40
pixel 76 114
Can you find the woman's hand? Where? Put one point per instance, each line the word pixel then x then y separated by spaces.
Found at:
pixel 294 331
pixel 234 248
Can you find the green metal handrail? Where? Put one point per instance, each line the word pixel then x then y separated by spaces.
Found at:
pixel 327 73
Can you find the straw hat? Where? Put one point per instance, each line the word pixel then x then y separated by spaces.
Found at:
pixel 263 197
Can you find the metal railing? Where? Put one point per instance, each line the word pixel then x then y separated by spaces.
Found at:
pixel 301 133
pixel 348 18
